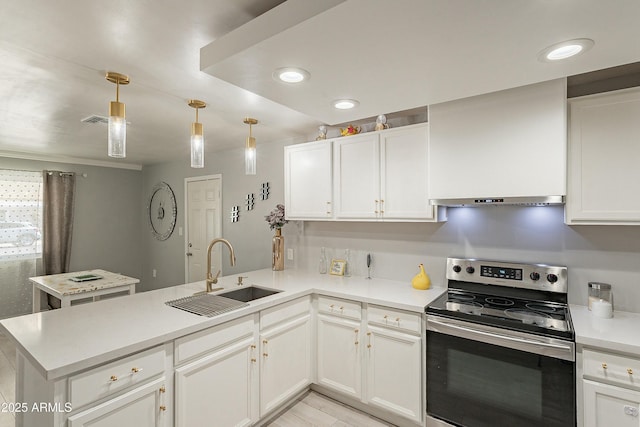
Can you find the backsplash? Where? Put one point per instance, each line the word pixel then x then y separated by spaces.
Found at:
pixel 607 254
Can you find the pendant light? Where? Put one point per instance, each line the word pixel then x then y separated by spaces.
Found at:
pixel 197 137
pixel 250 149
pixel 117 121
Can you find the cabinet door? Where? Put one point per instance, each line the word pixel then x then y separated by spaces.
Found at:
pixel 403 173
pixel 339 355
pixel 141 407
pixel 603 159
pixel 394 372
pixel 285 367
pixel 356 161
pixel 308 180
pixel 219 389
pixel 606 405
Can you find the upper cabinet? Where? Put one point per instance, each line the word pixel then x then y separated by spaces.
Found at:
pixel 604 149
pixel 375 176
pixel 510 143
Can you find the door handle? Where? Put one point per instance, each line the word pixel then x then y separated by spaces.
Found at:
pixel 189 254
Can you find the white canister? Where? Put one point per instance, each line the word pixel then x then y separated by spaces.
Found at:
pixel 601 308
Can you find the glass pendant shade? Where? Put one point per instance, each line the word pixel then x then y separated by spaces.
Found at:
pixel 117 138
pixel 197 146
pixel 250 156
pixel 250 149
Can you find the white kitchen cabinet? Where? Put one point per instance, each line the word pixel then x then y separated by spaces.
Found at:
pixel 285 353
pixel 603 154
pixel 606 405
pixel 383 176
pixel 144 406
pixel 510 143
pixel 308 181
pixel 394 362
pixel 339 354
pixel 221 387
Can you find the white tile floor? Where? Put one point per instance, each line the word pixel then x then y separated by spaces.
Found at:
pixel 312 409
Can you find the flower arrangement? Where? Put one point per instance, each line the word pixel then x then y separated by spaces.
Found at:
pixel 276 218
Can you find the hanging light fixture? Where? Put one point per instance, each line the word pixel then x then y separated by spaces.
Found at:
pixel 250 149
pixel 117 120
pixel 197 137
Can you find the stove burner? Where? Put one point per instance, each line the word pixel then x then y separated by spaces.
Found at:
pixel 502 302
pixel 542 308
pixel 465 307
pixel 461 297
pixel 526 316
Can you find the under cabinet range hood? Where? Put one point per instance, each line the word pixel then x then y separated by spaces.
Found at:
pixel 501 148
pixel 497 201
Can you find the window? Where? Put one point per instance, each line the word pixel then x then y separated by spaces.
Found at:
pixel 20 215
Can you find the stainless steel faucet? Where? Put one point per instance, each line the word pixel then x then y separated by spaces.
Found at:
pixel 210 279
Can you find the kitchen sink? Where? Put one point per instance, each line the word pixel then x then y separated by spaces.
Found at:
pixel 249 293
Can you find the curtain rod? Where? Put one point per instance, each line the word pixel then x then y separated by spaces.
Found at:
pixel 84 175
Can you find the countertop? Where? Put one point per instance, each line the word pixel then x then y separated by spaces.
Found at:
pixel 620 333
pixel 61 342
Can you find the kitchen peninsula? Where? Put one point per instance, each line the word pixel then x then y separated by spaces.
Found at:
pixel 131 358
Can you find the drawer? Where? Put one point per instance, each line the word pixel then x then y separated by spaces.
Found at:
pixel 609 367
pixel 339 307
pixel 288 310
pixel 106 380
pixel 203 342
pixel 395 319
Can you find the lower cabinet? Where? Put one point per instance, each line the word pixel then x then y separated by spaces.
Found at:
pixel 144 406
pixel 606 405
pixel 610 389
pixel 218 389
pixel 285 353
pixel 383 343
pixel 394 374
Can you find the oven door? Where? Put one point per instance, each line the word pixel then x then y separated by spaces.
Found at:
pixel 485 376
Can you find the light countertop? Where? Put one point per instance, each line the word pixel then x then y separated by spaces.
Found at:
pixel 61 342
pixel 620 333
pixel 62 285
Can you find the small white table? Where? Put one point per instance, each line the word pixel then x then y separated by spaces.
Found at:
pixel 61 287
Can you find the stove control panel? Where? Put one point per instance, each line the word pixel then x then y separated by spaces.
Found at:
pixel 531 276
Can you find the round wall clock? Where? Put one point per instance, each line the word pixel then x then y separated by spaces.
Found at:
pixel 162 211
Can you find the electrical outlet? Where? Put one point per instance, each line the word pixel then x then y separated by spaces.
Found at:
pixel 154 273
pixel 290 254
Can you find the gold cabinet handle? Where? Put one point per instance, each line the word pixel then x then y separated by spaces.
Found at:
pixel 252 346
pixel 265 342
pixel 604 366
pixel 381 207
pixel 369 335
pixel 328 208
pixel 163 390
pixel 135 370
pixel 253 360
pixel 113 378
pixel 265 354
pixel 163 408
pixel 629 371
pixel 356 332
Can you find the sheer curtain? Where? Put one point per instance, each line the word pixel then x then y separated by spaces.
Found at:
pixel 20 238
pixel 57 228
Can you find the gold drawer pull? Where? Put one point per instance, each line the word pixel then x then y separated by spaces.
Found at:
pixel 252 346
pixel 629 371
pixel 163 408
pixel 135 370
pixel 113 378
pixel 604 366
pixel 253 360
pixel 265 354
pixel 162 389
pixel 265 342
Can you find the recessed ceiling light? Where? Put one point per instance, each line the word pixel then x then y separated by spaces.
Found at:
pixel 565 50
pixel 345 104
pixel 291 75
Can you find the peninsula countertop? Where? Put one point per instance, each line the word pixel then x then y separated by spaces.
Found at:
pixel 620 333
pixel 61 342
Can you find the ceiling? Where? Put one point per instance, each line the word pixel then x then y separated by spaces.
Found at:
pixel 390 55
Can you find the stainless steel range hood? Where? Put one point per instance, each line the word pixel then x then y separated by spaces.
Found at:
pixel 500 201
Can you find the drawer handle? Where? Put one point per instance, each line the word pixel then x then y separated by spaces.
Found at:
pixel 356 332
pixel 135 370
pixel 162 389
pixel 113 378
pixel 265 354
pixel 252 346
pixel 629 371
pixel 369 335
pixel 253 360
pixel 604 366
pixel 163 408
pixel 265 342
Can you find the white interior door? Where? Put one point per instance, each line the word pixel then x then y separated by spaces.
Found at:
pixel 204 223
